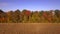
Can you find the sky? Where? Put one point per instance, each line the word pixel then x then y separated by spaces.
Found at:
pixel 29 4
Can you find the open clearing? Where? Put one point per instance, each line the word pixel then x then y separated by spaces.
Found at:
pixel 29 28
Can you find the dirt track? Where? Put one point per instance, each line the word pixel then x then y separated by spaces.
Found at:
pixel 29 28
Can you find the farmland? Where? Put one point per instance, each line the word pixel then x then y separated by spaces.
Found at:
pixel 29 28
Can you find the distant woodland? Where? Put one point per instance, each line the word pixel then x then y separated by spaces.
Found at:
pixel 27 16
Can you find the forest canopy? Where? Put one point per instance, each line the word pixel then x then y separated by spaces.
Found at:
pixel 27 16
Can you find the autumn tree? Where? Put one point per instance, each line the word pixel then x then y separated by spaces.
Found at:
pixel 57 13
pixel 26 15
pixel 3 17
pixel 10 15
pixel 17 15
pixel 41 16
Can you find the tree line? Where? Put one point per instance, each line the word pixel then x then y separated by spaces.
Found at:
pixel 27 16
